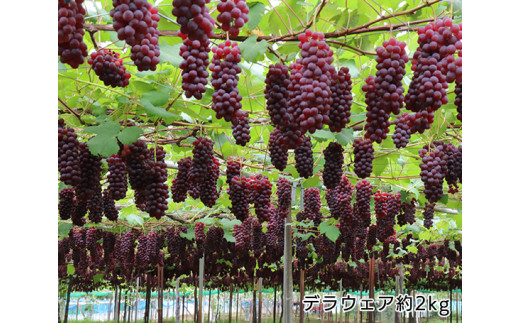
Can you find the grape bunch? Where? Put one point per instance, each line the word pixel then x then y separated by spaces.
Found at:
pixel 363 157
pixel 428 215
pixel 71 48
pixel 391 60
pixel 339 200
pixel 78 213
pixel 109 67
pixel 109 206
pixel 362 205
pixel 403 132
pixel 407 214
pixel 68 155
pixel 136 158
pixel 117 177
pixel 194 19
pixel 208 188
pixel 453 164
pixel 339 113
pixel 240 127
pixel 278 150
pixel 304 158
pixel 233 15
pixel 67 203
pixel 377 122
pixel 437 42
pixel 180 184
pixel 276 94
pixel 312 205
pixel 433 170
pixel 224 79
pixel 240 196
pixel 458 99
pixel 261 196
pixel 311 98
pixel 199 233
pixel 214 240
pixel 283 192
pixel 332 171
pixel 90 174
pixel 95 207
pixel 233 169
pixel 136 23
pixel 157 188
pixel 202 159
pixel 194 67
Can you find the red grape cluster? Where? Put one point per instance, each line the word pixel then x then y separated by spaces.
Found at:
pixel 199 233
pixel 386 206
pixel 208 188
pixel 458 99
pixel 214 240
pixel 224 78
pixel 240 127
pixel 71 48
pixel 407 214
pixel 403 132
pixel 312 205
pixel 311 97
pixel 278 150
pixel 240 196
pixel 109 206
pixel 391 60
pixel 67 203
pixel 276 94
pixel 257 243
pixel 180 184
pixel 194 67
pixel 377 122
pixel 372 236
pixel 157 188
pixel 340 201
pixel 233 169
pixel 304 159
pixel 109 67
pixel 117 177
pixel 454 164
pixel 90 174
pixel 437 41
pixel 68 155
pixel 362 205
pixel 135 157
pixel 136 23
pixel 261 196
pixel 233 15
pixel 332 171
pixel 202 159
pixel 283 192
pixel 194 18
pixel 339 113
pixel 78 214
pixel 95 207
pixel 428 215
pixel 363 157
pixel 433 170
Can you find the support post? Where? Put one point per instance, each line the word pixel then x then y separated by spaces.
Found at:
pixel 160 274
pixel 260 300
pixel 201 286
pixel 69 288
pixel 371 287
pixel 177 302
pixel 230 302
pixel 302 291
pixel 274 306
pixel 136 300
pixel 287 272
